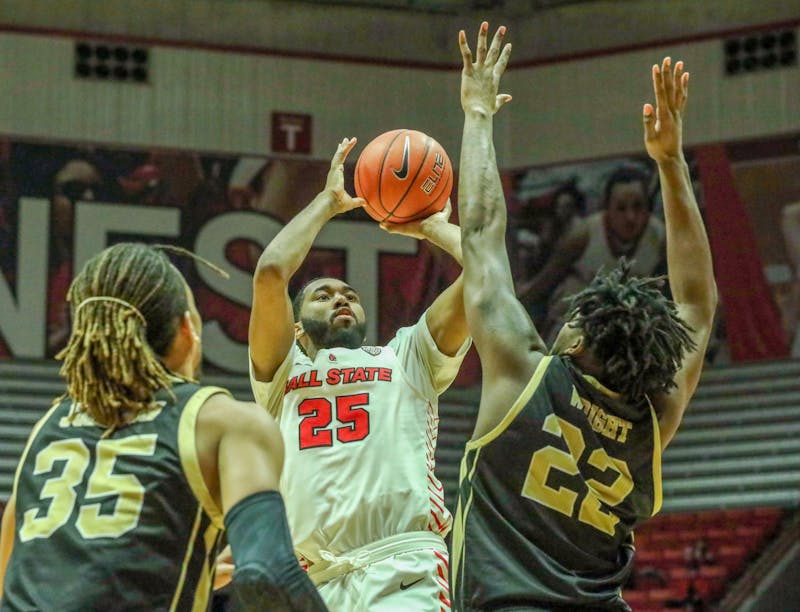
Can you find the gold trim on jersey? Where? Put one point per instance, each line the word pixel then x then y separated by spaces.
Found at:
pixel 522 400
pixel 460 521
pixel 187 449
pixel 34 432
pixel 189 551
pixel 657 492
pixel 601 387
pixel 204 584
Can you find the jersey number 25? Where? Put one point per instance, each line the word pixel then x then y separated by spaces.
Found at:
pixel 317 413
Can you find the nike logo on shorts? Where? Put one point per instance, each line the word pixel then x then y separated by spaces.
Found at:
pixel 402 172
pixel 404 586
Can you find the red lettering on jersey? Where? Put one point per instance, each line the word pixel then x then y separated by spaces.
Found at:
pixel 306 379
pixel 316 415
pixel 346 376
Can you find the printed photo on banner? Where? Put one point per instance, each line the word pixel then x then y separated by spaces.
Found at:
pixel 62 202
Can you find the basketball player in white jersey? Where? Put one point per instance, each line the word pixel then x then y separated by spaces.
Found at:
pixel 359 422
pixel 624 227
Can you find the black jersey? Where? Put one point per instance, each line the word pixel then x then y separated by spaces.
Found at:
pixel 548 499
pixel 117 523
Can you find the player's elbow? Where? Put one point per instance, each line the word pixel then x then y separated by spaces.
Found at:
pixel 713 298
pixel 709 302
pixel 482 216
pixel 270 272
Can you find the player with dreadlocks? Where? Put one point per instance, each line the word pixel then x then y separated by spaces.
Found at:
pixel 128 481
pixel 565 459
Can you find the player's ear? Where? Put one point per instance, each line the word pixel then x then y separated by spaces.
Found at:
pixel 577 347
pixel 190 328
pixel 298 330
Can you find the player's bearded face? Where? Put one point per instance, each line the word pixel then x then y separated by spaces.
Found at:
pixel 325 335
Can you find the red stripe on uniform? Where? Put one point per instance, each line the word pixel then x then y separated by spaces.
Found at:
pixel 442 558
pixel 438 507
pixel 436 495
pixel 437 485
pixel 438 523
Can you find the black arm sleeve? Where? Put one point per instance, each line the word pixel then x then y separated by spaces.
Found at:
pixel 267 574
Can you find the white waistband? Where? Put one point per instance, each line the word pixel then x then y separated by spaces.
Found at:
pixel 335 565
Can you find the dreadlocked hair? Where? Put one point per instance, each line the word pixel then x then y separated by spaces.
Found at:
pixel 127 304
pixel 633 329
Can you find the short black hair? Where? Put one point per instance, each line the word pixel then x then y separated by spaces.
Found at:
pixel 633 330
pixel 628 174
pixel 297 301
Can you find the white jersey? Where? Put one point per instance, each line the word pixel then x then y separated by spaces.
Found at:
pixel 359 428
pixel 649 251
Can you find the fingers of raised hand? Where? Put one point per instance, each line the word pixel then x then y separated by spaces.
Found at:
pixel 658 89
pixel 338 157
pixel 668 79
pixel 482 36
pixel 681 86
pixel 648 115
pixel 448 208
pixel 403 229
pixel 497 45
pixel 502 62
pixel 347 146
pixel 466 54
pixel 500 100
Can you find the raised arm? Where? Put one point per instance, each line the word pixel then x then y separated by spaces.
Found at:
pixel 507 342
pixel 271 320
pixel 445 318
pixel 691 273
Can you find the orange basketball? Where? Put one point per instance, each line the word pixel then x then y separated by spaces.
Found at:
pixel 403 175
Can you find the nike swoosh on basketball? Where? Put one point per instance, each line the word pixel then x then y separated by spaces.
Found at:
pixel 404 586
pixel 402 172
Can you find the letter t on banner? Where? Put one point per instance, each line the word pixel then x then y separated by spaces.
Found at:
pixel 291 133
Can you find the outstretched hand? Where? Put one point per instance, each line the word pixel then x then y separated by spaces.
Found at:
pixel 480 79
pixel 663 126
pixel 422 228
pixel 334 184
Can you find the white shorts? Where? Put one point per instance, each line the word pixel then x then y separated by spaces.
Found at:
pixel 404 573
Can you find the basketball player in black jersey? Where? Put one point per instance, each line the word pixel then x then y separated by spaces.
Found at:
pixel 565 458
pixel 128 481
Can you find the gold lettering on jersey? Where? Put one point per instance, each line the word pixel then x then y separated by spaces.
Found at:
pixel 609 425
pixel 339 376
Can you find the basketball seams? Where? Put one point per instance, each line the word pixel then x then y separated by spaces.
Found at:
pixel 443 188
pixel 427 189
pixel 428 141
pixel 386 153
pixel 359 190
